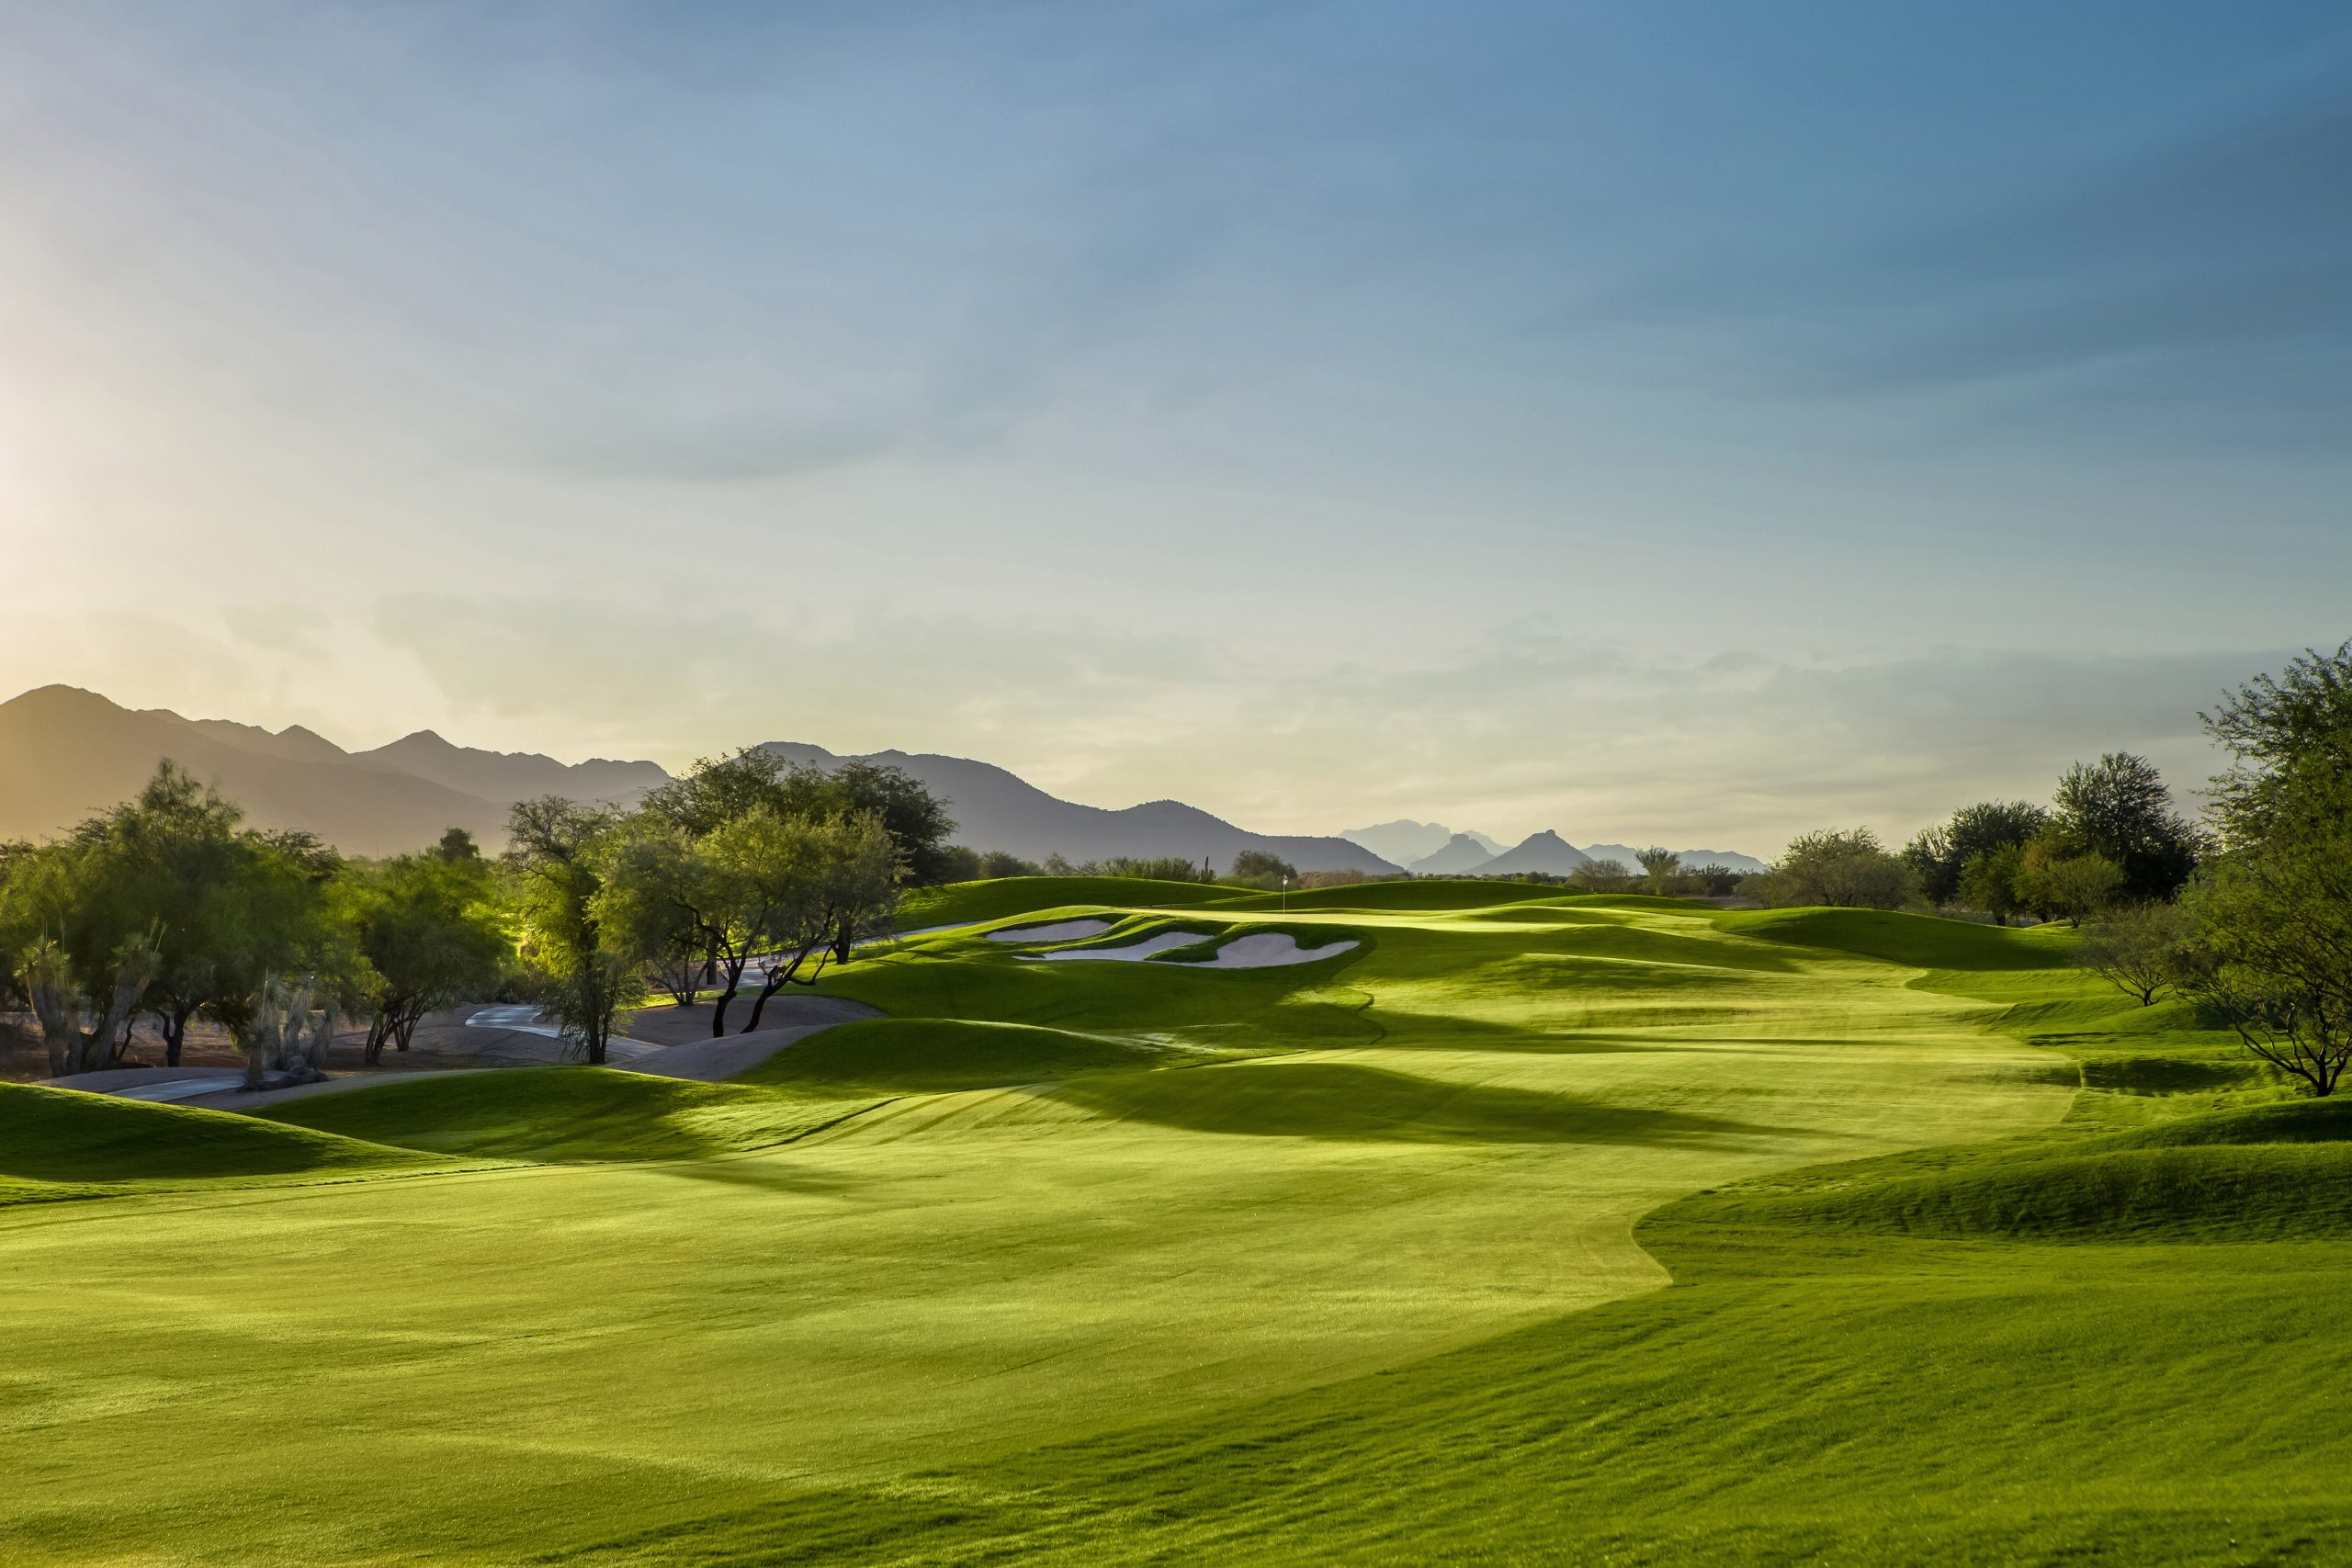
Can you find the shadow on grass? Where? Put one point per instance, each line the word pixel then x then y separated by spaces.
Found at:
pixel 763 1175
pixel 1349 1102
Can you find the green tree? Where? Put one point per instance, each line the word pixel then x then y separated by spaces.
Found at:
pixel 75 1043
pixel 963 864
pixel 1000 863
pixel 431 934
pixel 838 879
pixel 1601 877
pixel 2272 952
pixel 1713 880
pixel 224 908
pixel 2056 882
pixel 1939 855
pixel 2119 809
pixel 1264 868
pixel 1841 869
pixel 582 972
pixel 663 895
pixel 1660 866
pixel 916 820
pixel 1989 883
pixel 2137 948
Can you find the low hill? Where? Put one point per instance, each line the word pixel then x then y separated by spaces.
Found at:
pixel 67 754
pixel 1405 840
pixel 1544 853
pixel 1460 855
pixel 995 809
pixel 82 1144
pixel 512 775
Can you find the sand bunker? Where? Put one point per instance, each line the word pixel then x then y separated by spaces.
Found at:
pixel 1260 950
pixel 1143 949
pixel 1267 950
pixel 1068 931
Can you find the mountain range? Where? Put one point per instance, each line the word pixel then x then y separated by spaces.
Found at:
pixel 1405 840
pixel 67 754
pixel 1467 854
pixel 995 809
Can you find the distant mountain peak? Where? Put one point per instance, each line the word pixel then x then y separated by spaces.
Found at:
pixel 1461 855
pixel 1543 851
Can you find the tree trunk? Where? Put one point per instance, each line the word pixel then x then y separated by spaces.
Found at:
pixel 323 1036
pixel 734 971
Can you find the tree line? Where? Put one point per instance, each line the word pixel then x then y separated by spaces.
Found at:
pixel 2246 915
pixel 2109 837
pixel 741 878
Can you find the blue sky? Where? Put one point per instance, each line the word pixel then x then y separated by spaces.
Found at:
pixel 1682 422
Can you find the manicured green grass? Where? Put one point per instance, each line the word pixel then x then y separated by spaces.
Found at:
pixel 922 1056
pixel 563 1114
pixel 965 903
pixel 1365 1260
pixel 55 1143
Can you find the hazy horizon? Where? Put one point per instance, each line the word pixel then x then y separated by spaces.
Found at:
pixel 1693 425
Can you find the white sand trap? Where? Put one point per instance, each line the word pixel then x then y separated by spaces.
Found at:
pixel 1143 949
pixel 1068 931
pixel 1267 950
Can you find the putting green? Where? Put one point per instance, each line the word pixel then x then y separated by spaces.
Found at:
pixel 1111 1195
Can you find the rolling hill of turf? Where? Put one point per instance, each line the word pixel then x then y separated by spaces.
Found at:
pixel 967 903
pixel 55 1143
pixel 562 1114
pixel 922 1056
pixel 1541 1228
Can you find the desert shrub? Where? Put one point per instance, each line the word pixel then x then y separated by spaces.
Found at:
pixel 1838 868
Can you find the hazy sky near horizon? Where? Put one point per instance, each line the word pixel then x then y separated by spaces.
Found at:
pixel 1692 422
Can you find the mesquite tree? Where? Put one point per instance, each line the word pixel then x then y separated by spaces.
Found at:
pixel 842 885
pixel 430 932
pixel 76 1044
pixel 584 971
pixel 2273 949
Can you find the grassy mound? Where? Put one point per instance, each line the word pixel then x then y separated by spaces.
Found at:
pixel 1919 941
pixel 2275 1171
pixel 987 982
pixel 562 1114
pixel 969 903
pixel 1349 1102
pixel 2282 1121
pixel 57 1135
pixel 918 1055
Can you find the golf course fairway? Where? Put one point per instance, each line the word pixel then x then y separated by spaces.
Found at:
pixel 1531 1228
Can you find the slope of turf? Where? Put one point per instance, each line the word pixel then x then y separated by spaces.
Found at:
pixel 969 903
pixel 1921 942
pixel 95 1142
pixel 917 1056
pixel 1270 1266
pixel 562 1114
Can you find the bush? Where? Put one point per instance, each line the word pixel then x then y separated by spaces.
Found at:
pixel 1837 868
pixel 1262 869
pixel 1604 876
